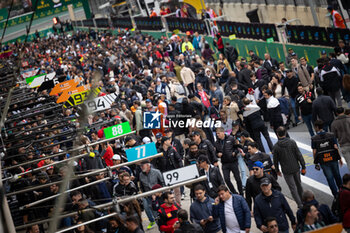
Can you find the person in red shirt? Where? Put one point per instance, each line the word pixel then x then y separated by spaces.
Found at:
pixel 168 221
pixel 153 14
pixel 220 44
pixel 108 155
pixel 344 199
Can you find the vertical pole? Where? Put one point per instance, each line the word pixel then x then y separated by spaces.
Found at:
pixel 313 12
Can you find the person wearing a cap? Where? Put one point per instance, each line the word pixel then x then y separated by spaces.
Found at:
pixel 256 155
pixel 149 177
pixel 206 145
pixel 253 183
pixel 272 203
pixel 337 19
pixel 174 141
pixel 291 83
pixel 159 140
pixel 291 54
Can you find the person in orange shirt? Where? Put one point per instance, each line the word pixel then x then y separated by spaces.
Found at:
pixel 153 13
pixel 338 21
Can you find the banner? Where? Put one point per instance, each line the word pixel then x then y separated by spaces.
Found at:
pixel 186 24
pixel 147 23
pixel 44 9
pixel 102 22
pixel 121 22
pixel 257 31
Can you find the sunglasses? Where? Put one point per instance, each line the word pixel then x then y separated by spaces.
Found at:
pixel 256 169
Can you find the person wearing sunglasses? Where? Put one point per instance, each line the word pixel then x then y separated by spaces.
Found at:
pixel 253 183
pixel 272 226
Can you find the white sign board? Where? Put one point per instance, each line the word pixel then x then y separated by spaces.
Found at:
pixel 38 81
pixel 180 175
pixel 101 103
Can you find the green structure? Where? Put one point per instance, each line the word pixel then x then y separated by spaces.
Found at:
pixel 45 8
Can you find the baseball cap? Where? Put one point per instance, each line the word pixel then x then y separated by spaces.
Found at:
pixel 323 52
pixel 195 133
pixel 159 135
pixel 165 139
pixel 265 181
pixel 127 139
pixel 293 54
pixel 156 186
pixel 146 140
pixel 116 157
pixel 168 130
pixel 148 100
pixel 258 164
pixel 234 123
pixel 288 70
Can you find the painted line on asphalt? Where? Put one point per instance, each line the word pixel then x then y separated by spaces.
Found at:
pixel 304 179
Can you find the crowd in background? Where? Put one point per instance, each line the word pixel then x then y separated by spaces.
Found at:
pixel 187 76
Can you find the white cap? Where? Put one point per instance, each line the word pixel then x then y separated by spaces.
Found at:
pixel 146 140
pixel 116 157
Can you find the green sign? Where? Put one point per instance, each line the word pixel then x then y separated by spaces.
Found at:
pixel 270 40
pixel 3 14
pixel 44 9
pixel 30 79
pixel 117 130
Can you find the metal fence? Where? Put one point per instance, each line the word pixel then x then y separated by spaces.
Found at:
pixel 320 3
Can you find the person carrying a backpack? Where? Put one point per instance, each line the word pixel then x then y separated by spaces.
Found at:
pixel 326 155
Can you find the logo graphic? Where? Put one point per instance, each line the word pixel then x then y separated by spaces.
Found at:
pixel 151 120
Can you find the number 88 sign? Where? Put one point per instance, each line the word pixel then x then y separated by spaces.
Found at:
pixel 117 130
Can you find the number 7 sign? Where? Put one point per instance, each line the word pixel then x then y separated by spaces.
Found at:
pixel 140 152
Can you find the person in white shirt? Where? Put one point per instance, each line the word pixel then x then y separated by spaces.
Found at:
pixel 233 211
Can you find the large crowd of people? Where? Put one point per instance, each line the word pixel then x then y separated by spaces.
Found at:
pixel 183 76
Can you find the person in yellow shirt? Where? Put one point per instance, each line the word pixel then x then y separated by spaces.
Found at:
pixel 186 43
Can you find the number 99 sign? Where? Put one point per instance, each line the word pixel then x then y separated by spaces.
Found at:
pixel 180 175
pixel 117 130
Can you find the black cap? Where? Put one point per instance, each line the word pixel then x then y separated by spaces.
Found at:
pixel 293 54
pixel 165 139
pixel 167 130
pixel 159 135
pixel 195 133
pixel 235 123
pixel 127 139
pixel 288 70
pixel 265 181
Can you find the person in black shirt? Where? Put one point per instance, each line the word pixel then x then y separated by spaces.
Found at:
pixel 304 107
pixel 227 150
pixel 291 83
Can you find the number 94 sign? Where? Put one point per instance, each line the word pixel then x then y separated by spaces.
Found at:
pixel 180 175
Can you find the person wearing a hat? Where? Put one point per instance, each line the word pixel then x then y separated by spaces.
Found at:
pixel 291 83
pixel 291 54
pixel 272 203
pixel 205 144
pixel 174 141
pixel 337 19
pixel 149 177
pixel 253 183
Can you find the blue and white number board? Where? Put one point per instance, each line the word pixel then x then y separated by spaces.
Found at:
pixel 140 152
